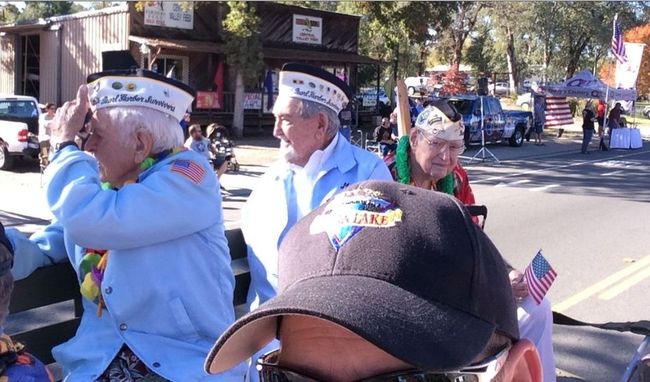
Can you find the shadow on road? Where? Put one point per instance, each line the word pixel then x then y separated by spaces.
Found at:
pixel 577 350
pixel 599 173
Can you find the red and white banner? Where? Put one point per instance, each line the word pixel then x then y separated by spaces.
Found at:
pixel 557 112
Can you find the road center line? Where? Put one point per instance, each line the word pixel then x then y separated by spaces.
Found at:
pixel 512 183
pixel 543 188
pixel 556 167
pixel 601 285
pixel 628 283
pixel 613 173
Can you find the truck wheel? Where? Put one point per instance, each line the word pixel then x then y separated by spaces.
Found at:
pixel 517 138
pixel 525 106
pixel 6 160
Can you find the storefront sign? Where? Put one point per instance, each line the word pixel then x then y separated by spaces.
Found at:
pixel 169 14
pixel 252 101
pixel 307 29
pixel 208 100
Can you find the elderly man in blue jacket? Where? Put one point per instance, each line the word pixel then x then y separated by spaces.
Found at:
pixel 141 222
pixel 315 163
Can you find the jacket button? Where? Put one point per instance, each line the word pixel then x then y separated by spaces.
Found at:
pixel 123 327
pixel 156 364
pixel 108 290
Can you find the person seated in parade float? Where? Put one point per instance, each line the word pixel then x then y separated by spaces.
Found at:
pixel 428 158
pixel 433 304
pixel 141 222
pixel 15 363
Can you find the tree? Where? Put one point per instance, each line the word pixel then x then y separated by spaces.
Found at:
pixel 454 82
pixel 479 51
pixel 9 13
pixel 640 34
pixel 243 49
pixel 397 32
pixel 463 22
pixel 41 10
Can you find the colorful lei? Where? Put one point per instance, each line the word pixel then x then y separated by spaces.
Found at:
pixel 403 168
pixel 94 262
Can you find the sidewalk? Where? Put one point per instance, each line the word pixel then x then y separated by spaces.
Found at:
pixel 575 130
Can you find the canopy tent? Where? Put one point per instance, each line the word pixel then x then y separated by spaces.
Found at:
pixel 585 85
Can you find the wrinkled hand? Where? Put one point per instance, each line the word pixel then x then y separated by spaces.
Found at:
pixel 70 117
pixel 519 284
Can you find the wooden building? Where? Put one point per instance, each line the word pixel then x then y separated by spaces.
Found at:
pixel 50 58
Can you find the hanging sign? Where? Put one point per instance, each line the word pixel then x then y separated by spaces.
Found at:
pixel 207 100
pixel 307 29
pixel 252 101
pixel 169 14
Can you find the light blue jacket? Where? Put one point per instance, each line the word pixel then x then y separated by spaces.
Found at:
pixel 168 285
pixel 265 214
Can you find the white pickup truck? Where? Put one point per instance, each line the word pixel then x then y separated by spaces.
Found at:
pixel 19 128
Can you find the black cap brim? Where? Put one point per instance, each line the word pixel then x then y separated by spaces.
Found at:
pixel 363 305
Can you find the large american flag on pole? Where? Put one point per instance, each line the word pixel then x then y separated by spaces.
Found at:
pixel 540 276
pixel 618 48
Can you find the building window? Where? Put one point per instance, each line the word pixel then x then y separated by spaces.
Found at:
pixel 176 67
pixel 30 65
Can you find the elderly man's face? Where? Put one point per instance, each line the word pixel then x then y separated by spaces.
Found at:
pixel 325 351
pixel 299 137
pixel 347 357
pixel 436 157
pixel 117 160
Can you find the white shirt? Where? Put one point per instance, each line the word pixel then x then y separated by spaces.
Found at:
pixel 305 178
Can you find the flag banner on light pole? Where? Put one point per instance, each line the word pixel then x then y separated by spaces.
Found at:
pixel 627 72
pixel 618 48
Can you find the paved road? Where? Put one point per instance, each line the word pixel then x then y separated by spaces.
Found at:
pixel 589 213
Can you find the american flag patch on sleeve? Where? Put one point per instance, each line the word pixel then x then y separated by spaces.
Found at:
pixel 189 169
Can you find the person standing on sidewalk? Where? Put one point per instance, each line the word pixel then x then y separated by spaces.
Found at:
pixel 600 117
pixel 588 118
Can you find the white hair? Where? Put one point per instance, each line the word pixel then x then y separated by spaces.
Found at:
pixel 309 108
pixel 165 129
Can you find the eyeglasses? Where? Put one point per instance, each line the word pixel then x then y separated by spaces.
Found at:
pixel 485 371
pixel 454 147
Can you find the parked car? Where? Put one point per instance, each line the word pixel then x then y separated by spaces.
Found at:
pixel 416 84
pixel 19 119
pixel 646 111
pixel 500 125
pixel 524 101
pixel 499 88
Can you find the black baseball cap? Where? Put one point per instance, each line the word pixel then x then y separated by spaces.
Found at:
pixel 403 267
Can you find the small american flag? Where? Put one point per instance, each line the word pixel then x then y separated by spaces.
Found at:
pixel 189 169
pixel 618 47
pixel 540 276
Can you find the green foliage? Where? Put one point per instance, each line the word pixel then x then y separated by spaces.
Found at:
pixel 8 14
pixel 405 31
pixel 243 45
pixel 44 9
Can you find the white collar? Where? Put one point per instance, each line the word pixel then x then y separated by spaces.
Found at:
pixel 316 160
